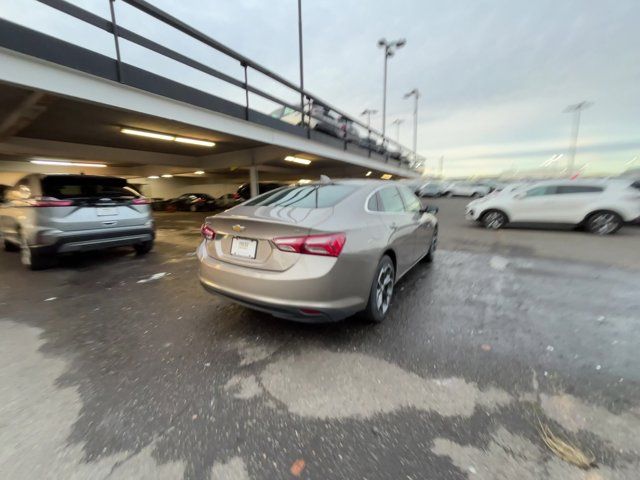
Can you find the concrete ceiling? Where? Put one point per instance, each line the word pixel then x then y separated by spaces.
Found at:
pixel 37 124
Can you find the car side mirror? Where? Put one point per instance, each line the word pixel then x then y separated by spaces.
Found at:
pixel 430 209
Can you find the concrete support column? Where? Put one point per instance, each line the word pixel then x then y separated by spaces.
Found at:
pixel 253 180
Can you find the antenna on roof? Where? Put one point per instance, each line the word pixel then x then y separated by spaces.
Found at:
pixel 324 180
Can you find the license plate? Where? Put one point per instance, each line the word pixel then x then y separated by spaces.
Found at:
pixel 244 247
pixel 106 211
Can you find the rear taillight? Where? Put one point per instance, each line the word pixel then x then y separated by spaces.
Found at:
pixel 329 245
pixel 207 232
pixel 236 196
pixel 49 202
pixel 141 201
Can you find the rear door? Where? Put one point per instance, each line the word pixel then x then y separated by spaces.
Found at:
pixel 573 201
pixel 402 225
pixel 97 203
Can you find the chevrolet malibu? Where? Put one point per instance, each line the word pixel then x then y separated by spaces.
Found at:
pixel 318 252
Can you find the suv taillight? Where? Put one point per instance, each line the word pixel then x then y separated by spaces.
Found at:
pixel 141 201
pixel 49 202
pixel 207 232
pixel 329 245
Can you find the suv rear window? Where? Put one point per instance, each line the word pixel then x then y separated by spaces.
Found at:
pixel 304 196
pixel 81 186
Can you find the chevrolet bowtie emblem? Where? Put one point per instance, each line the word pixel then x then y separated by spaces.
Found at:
pixel 238 228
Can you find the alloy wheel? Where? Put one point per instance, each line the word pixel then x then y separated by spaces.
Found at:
pixel 604 223
pixel 494 220
pixel 384 289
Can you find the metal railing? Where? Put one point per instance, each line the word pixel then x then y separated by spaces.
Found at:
pixel 374 142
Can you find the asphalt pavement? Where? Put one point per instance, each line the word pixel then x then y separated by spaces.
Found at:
pixel 116 366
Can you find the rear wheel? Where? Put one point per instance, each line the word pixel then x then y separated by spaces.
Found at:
pixel 604 223
pixel 381 291
pixel 494 219
pixel 144 247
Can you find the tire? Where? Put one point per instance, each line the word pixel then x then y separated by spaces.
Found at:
pixel 32 259
pixel 428 258
pixel 603 223
pixel 494 219
pixel 144 247
pixel 10 246
pixel 448 195
pixel 381 292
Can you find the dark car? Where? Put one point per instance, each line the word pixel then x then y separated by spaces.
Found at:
pixel 375 146
pixel 192 202
pixel 244 191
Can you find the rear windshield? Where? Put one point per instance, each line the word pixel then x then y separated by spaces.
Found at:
pixel 79 186
pixel 304 196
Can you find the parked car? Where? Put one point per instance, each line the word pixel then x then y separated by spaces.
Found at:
pixel 466 189
pixel 45 215
pixel 244 191
pixel 228 200
pixel 431 189
pixel 369 143
pixel 318 252
pixel 191 202
pixel 601 207
pixel 322 119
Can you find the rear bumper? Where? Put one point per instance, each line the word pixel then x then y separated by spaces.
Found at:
pixel 282 294
pixel 68 242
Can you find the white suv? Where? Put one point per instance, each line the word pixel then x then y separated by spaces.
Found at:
pixel 466 189
pixel 601 207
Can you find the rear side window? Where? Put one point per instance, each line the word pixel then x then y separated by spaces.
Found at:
pixel 372 204
pixel 304 196
pixel 80 186
pixel 390 200
pixel 579 189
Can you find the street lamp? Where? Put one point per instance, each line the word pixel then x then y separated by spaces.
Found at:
pixel 416 94
pixel 576 110
pixel 389 50
pixel 397 122
pixel 368 112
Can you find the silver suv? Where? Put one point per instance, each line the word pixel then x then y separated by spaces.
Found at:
pixel 44 215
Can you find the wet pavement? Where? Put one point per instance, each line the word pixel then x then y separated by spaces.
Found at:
pixel 116 366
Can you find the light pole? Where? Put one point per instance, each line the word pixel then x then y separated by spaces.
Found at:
pixel 368 112
pixel 397 122
pixel 389 50
pixel 416 94
pixel 301 64
pixel 575 129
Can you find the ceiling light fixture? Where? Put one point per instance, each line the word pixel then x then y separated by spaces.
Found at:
pixel 193 141
pixel 143 133
pixel 304 181
pixel 301 161
pixel 368 174
pixel 167 175
pixel 386 176
pixel 61 163
pixel 167 137
pixel 199 172
pixel 153 177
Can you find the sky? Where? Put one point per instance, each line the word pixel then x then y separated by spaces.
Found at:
pixel 495 76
